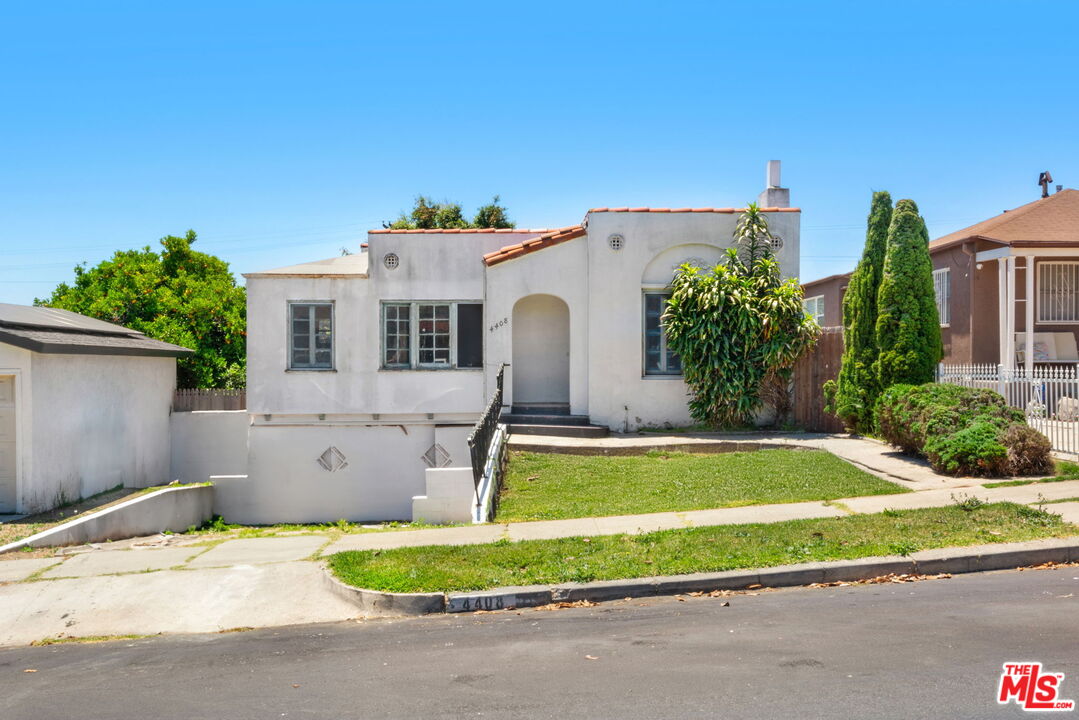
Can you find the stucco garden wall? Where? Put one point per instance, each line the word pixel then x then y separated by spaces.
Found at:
pixel 97 421
pixel 286 483
pixel 206 443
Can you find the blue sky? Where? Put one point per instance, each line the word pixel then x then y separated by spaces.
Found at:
pixel 280 132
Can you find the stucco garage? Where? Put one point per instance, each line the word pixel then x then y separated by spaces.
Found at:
pixel 84 407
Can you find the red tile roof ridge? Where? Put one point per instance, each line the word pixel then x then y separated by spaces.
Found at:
pixel 397 231
pixel 531 245
pixel 691 210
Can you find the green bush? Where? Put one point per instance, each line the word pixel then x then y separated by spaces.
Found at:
pixel 962 431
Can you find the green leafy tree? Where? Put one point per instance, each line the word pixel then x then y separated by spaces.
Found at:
pixel 492 215
pixel 738 329
pixel 908 325
pixel 179 296
pixel 426 214
pixel 854 393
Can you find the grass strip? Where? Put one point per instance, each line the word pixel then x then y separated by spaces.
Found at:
pixel 705 549
pixel 549 486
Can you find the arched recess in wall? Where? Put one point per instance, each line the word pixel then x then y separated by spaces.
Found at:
pixel 540 365
pixel 660 271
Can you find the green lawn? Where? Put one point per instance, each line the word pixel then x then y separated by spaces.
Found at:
pixel 706 549
pixel 549 486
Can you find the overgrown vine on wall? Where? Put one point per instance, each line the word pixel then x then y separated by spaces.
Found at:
pixel 738 328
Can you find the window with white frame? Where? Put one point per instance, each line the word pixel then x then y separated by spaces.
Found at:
pixel 1058 292
pixel 658 358
pixel 432 335
pixel 942 289
pixel 814 308
pixel 311 336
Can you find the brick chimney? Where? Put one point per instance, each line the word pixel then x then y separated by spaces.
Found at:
pixel 774 194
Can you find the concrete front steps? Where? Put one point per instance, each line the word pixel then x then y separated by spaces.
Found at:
pixel 550 420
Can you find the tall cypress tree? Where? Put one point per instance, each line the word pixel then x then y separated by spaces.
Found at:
pixel 908 326
pixel 856 388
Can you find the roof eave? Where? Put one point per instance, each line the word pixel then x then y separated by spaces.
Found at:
pixel 75 349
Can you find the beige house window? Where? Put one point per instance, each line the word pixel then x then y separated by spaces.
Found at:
pixel 1058 292
pixel 814 307
pixel 942 289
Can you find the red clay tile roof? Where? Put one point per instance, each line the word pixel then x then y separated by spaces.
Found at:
pixel 552 237
pixel 728 210
pixel 462 230
pixel 1051 220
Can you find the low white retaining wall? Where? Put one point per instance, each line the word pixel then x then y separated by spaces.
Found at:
pixel 451 495
pixel 173 509
pixel 210 442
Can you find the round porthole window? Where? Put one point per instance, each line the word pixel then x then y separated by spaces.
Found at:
pixel 391 260
pixel 777 243
pixel 616 241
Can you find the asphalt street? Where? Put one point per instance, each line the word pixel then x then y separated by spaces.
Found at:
pixel 930 649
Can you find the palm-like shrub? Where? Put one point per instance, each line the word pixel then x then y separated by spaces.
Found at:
pixel 738 328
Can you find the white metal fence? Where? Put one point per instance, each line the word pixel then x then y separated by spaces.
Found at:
pixel 1049 396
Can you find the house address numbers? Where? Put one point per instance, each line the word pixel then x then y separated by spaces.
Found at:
pixel 499 324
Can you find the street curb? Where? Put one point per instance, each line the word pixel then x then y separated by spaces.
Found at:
pixel 980 558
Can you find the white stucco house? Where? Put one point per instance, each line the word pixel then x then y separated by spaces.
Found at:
pixel 84 407
pixel 364 371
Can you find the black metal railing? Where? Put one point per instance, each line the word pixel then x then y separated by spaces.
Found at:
pixel 479 440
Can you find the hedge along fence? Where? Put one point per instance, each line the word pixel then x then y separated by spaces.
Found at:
pixel 962 431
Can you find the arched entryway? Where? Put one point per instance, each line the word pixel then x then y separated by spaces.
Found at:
pixel 540 366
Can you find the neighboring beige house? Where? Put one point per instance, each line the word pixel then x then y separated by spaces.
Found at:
pixel 84 407
pixel 1002 283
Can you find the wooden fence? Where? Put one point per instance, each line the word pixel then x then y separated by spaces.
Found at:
pixel 815 368
pixel 209 399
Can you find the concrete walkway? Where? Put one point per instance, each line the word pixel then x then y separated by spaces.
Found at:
pixel 180 583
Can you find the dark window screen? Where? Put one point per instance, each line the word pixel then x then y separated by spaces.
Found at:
pixel 469 335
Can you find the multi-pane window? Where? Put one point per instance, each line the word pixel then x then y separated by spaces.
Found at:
pixel 814 308
pixel 311 336
pixel 432 335
pixel 942 289
pixel 1058 292
pixel 658 358
pixel 397 335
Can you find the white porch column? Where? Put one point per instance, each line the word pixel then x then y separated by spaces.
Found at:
pixel 1002 314
pixel 1011 312
pixel 1028 338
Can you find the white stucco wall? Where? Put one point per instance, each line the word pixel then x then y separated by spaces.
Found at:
pixel 285 482
pixel 206 443
pixel 621 396
pixel 560 270
pixel 97 421
pixel 432 267
pixel 603 288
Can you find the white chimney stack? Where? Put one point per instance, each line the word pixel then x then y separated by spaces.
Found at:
pixel 773 174
pixel 774 195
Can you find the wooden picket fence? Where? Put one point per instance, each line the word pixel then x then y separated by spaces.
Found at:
pixel 811 372
pixel 208 399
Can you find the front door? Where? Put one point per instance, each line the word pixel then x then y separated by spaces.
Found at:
pixel 7 443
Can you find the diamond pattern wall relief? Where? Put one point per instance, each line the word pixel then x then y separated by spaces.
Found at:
pixel 332 460
pixel 436 456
